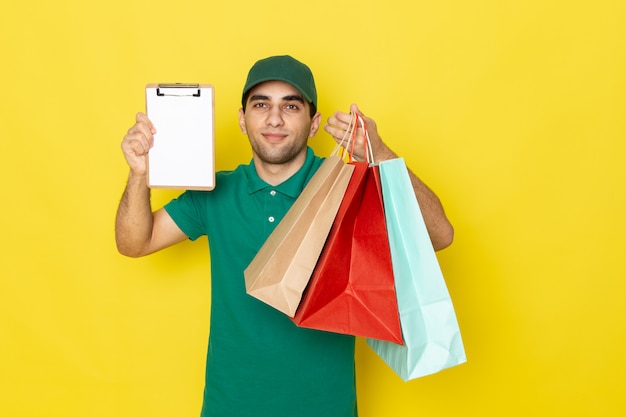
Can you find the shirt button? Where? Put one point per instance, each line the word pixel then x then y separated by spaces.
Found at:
pixel 271 219
pixel 273 193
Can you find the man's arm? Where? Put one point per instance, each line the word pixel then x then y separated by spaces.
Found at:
pixel 439 227
pixel 139 231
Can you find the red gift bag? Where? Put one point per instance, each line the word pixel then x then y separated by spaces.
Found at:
pixel 352 288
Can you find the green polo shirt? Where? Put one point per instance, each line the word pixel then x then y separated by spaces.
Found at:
pixel 259 364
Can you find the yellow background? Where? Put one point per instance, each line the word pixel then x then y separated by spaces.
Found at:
pixel 513 111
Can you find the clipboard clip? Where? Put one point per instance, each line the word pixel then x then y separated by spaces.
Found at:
pixel 178 90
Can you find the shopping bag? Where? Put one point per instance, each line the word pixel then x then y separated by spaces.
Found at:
pixel 432 339
pixel 281 269
pixel 352 288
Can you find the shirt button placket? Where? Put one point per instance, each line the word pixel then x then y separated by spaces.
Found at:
pixel 271 219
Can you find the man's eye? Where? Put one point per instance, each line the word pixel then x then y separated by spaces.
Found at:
pixel 258 104
pixel 292 107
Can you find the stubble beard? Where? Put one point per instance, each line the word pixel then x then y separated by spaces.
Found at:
pixel 278 155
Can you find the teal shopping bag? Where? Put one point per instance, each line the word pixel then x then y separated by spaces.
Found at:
pixel 432 339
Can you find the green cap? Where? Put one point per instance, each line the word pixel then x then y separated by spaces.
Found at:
pixel 282 68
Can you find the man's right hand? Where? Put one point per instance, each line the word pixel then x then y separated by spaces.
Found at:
pixel 137 144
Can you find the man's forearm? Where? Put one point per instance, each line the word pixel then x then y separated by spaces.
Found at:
pixel 133 223
pixel 439 228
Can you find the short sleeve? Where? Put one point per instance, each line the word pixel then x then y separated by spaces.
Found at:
pixel 188 212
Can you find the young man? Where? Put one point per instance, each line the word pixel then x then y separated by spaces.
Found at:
pixel 259 364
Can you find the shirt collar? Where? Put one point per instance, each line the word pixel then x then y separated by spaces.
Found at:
pixel 292 186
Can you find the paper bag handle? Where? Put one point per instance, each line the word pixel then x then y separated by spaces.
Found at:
pixel 348 141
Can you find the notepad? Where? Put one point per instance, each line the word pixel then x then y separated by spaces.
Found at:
pixel 183 153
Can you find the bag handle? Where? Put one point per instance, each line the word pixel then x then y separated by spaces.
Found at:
pixel 348 141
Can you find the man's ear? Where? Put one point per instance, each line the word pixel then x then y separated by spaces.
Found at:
pixel 242 122
pixel 315 124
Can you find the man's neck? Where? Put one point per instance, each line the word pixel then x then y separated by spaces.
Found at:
pixel 275 174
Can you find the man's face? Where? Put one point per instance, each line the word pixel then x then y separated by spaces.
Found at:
pixel 277 122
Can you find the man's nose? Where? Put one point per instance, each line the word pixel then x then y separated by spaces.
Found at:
pixel 274 117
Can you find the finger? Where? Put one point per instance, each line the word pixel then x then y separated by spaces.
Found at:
pixel 139 147
pixel 355 109
pixel 139 150
pixel 342 119
pixel 335 132
pixel 142 118
pixel 371 123
pixel 143 129
pixel 337 125
pixel 136 143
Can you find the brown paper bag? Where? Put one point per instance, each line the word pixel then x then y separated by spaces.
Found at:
pixel 280 271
